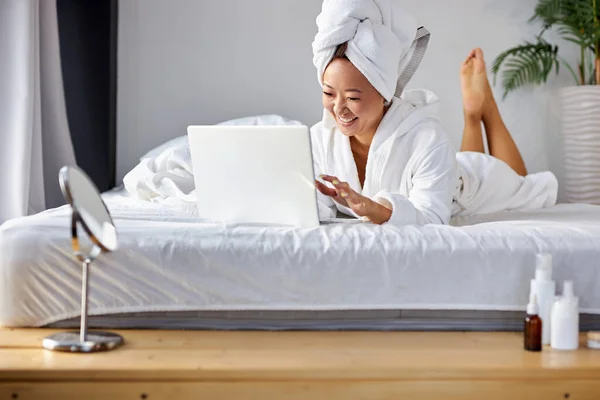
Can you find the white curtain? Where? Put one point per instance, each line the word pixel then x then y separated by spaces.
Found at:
pixel 34 135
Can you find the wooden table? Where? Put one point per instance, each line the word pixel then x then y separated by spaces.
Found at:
pixel 297 365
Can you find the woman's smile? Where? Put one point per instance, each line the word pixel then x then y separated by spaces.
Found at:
pixel 346 121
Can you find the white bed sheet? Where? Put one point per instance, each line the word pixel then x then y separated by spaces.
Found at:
pixel 170 260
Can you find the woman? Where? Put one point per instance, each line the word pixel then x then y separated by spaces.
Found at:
pixel 382 153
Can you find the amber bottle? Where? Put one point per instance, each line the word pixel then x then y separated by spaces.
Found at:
pixel 532 332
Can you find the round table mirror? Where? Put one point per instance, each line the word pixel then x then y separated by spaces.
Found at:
pixel 89 212
pixel 83 196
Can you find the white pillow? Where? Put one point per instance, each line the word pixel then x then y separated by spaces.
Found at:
pixel 268 119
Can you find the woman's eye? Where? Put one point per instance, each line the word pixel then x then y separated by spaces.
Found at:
pixel 353 98
pixel 327 94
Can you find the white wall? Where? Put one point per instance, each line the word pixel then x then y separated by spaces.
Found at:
pixel 187 62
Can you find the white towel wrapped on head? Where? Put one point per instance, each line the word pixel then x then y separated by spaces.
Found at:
pixel 385 42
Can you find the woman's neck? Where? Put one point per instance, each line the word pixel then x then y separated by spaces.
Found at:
pixel 361 143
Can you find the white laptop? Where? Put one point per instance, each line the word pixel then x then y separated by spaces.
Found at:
pixel 254 174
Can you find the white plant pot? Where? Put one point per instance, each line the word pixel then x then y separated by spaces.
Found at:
pixel 580 129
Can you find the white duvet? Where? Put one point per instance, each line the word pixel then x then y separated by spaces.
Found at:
pixel 170 260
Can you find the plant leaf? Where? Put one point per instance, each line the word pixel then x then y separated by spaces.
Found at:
pixel 529 63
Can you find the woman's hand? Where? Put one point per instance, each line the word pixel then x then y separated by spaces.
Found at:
pixel 363 206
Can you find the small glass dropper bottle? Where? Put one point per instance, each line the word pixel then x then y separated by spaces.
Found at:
pixel 533 326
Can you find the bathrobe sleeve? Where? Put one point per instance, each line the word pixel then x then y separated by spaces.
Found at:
pixel 429 200
pixel 326 206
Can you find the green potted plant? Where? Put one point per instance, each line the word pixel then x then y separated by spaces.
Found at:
pixel 530 63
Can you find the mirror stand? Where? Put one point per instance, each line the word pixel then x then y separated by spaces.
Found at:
pixel 83 341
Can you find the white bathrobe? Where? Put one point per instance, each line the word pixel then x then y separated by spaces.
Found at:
pixel 413 168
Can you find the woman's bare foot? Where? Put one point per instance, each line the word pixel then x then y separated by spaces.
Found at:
pixel 474 84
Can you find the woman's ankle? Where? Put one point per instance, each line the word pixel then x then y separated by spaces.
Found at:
pixel 489 110
pixel 472 117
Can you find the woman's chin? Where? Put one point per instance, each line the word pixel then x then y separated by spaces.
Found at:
pixel 347 130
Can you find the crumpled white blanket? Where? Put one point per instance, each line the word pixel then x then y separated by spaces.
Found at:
pixel 489 185
pixel 164 175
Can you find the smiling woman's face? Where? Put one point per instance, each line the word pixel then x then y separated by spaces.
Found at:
pixel 354 103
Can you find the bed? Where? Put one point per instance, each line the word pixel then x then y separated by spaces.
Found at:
pixel 175 271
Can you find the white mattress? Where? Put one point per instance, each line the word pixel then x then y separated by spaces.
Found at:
pixel 171 261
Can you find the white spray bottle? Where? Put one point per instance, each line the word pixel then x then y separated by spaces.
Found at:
pixel 544 289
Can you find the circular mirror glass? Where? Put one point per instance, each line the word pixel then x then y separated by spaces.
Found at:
pixel 84 197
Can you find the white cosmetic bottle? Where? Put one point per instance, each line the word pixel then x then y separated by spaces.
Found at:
pixel 565 320
pixel 544 289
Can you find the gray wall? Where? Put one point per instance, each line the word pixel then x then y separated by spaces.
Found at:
pixel 187 62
